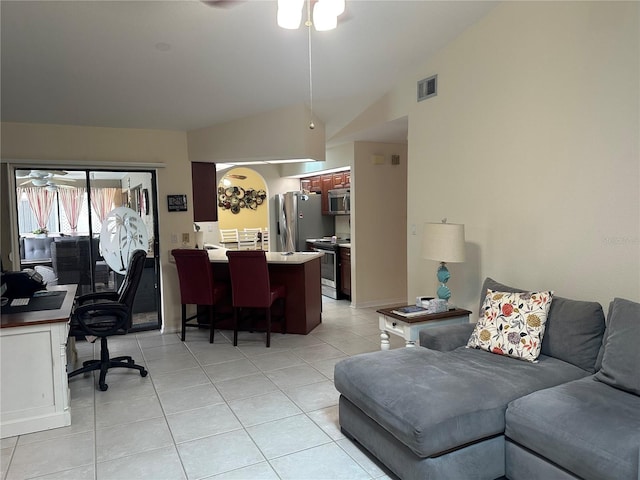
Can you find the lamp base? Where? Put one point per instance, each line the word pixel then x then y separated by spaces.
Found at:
pixel 443 292
pixel 443 277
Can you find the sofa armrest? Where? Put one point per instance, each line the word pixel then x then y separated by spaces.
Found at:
pixel 446 337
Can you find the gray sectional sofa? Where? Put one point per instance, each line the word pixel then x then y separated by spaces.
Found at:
pixel 450 412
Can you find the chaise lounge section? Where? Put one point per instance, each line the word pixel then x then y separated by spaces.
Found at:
pixel 442 411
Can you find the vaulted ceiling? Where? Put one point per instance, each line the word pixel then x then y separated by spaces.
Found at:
pixel 185 64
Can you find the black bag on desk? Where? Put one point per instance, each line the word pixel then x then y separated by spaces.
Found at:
pixel 22 284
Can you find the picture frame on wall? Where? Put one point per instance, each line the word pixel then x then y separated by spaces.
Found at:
pixel 177 203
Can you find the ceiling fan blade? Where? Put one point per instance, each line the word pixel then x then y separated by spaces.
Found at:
pixel 63 183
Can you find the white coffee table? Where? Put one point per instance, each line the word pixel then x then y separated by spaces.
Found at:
pixel 409 327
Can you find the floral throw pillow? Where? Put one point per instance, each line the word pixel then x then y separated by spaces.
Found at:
pixel 512 324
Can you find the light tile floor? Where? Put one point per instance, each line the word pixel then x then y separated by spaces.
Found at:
pixel 210 411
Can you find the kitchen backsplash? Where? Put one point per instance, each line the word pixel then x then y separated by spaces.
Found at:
pixel 343 226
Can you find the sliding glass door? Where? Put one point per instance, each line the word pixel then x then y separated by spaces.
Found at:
pixel 61 214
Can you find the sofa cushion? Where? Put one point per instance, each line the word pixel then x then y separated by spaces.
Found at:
pixel 584 426
pixel 35 248
pixel 436 401
pixel 573 330
pixel 621 357
pixel 512 324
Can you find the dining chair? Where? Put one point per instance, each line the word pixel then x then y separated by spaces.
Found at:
pixel 264 240
pixel 229 237
pixel 104 314
pixel 247 240
pixel 198 287
pixel 251 289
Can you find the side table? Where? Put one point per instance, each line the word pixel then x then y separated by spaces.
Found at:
pixel 409 327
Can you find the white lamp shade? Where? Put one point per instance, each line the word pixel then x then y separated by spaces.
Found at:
pixel 443 242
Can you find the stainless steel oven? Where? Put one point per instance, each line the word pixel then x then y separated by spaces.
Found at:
pixel 328 269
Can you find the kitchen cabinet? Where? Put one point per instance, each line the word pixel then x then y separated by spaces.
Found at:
pixel 311 184
pixel 323 183
pixel 316 184
pixel 345 271
pixel 326 182
pixel 338 180
pixel 205 188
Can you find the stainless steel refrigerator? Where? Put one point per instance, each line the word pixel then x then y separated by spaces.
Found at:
pixel 299 217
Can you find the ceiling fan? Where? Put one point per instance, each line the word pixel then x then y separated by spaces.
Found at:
pixel 44 178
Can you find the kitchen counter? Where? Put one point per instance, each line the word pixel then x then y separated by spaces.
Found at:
pixel 300 275
pixel 219 255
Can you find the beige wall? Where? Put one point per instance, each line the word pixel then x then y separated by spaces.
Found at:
pixel 378 225
pixel 336 157
pixel 532 143
pixel 274 135
pixel 124 148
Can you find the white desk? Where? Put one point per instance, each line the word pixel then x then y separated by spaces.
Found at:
pixel 35 392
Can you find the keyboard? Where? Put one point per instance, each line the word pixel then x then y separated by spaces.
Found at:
pixel 19 302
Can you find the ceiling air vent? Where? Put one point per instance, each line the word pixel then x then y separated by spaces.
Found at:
pixel 427 88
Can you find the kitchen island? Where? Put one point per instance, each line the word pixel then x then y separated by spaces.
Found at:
pixel 299 272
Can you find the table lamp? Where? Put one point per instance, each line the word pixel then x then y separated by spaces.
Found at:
pixel 443 242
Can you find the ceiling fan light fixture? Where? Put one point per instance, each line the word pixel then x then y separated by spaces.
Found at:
pixel 290 13
pixel 335 6
pixel 39 182
pixel 323 17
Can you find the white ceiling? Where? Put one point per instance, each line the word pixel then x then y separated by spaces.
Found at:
pixel 183 65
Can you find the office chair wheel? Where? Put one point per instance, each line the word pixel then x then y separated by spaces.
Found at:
pixel 144 373
pixel 103 387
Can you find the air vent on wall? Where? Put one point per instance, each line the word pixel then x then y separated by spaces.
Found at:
pixel 427 87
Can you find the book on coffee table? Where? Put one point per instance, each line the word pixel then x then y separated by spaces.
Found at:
pixel 410 311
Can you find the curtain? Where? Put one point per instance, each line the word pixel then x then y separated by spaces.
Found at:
pixel 71 199
pixel 102 201
pixel 40 200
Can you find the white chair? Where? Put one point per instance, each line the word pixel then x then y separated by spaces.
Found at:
pixel 247 240
pixel 229 238
pixel 265 239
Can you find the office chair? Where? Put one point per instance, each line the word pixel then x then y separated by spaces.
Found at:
pixel 251 288
pixel 103 314
pixel 197 286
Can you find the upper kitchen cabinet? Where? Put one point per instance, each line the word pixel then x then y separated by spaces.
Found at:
pixel 338 180
pixel 205 201
pixel 325 182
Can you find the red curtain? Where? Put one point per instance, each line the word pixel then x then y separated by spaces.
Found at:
pixel 71 199
pixel 41 201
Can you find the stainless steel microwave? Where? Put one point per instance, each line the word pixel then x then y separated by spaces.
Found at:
pixel 340 201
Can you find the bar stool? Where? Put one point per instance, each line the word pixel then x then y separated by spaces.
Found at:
pixel 197 286
pixel 251 288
